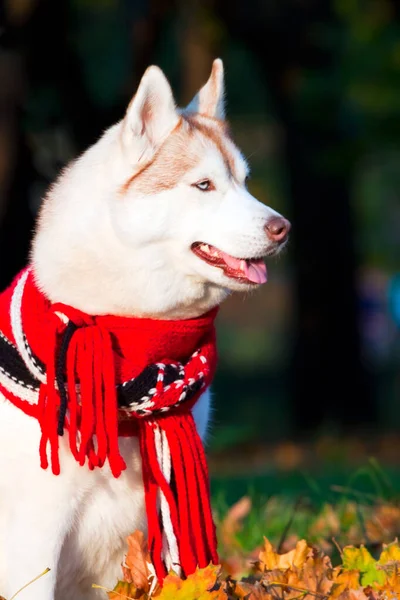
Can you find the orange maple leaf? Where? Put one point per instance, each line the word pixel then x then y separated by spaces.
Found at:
pixel 198 586
pixel 344 581
pixel 270 559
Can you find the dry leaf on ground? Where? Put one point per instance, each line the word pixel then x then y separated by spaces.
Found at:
pixel 137 568
pixel 232 523
pixel 302 573
pixel 198 586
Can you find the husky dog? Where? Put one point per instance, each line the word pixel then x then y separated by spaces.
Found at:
pixel 154 220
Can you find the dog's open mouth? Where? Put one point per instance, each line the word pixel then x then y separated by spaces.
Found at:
pixel 245 270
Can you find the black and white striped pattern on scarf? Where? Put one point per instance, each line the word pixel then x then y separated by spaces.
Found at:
pixel 21 372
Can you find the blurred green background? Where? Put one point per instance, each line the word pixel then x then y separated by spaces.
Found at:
pixel 309 376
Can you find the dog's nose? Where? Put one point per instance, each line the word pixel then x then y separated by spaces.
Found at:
pixel 277 229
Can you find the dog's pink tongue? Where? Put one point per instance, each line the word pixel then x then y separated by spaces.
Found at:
pixel 254 270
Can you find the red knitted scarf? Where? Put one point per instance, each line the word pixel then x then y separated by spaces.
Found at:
pixel 101 377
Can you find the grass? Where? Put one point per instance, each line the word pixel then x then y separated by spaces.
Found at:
pixel 328 509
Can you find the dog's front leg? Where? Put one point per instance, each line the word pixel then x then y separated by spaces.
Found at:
pixel 35 532
pixel 201 413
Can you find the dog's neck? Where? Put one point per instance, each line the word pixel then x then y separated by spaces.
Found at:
pixel 79 260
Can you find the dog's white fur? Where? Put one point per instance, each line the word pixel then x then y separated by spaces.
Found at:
pixel 110 242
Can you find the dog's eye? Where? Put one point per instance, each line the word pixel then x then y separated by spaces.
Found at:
pixel 205 185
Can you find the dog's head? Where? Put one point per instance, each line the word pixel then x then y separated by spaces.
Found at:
pixel 171 228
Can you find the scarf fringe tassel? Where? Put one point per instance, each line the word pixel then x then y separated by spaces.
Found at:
pixel 181 531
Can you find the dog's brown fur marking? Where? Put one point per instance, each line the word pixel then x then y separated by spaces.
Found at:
pixel 180 152
pixel 215 130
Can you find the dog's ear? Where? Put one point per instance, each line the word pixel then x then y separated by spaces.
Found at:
pixel 210 99
pixel 151 114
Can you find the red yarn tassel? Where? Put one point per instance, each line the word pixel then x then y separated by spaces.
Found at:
pixel 184 493
pixel 93 413
pixel 48 405
pixel 151 479
pixel 189 503
pixel 84 371
pixel 195 496
pixel 117 463
pixel 101 435
pixel 73 403
pixel 209 531
pixel 44 463
pixel 192 488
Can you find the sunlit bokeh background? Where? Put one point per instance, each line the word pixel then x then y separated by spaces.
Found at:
pixel 308 387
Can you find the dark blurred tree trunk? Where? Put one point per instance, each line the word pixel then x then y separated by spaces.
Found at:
pixel 328 379
pixel 16 221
